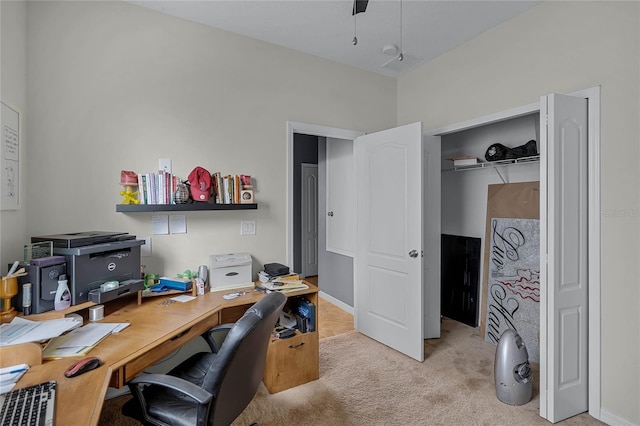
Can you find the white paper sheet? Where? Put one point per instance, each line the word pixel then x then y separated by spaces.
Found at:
pixel 43 330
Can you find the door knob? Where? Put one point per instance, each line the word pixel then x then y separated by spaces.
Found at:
pixel 330 214
pixel 413 253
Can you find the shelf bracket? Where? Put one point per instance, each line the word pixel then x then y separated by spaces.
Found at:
pixel 500 174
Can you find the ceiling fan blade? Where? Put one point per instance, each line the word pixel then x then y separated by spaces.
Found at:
pixel 359 6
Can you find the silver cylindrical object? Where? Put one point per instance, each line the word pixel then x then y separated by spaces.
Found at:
pixel 512 372
pixel 203 274
pixel 96 313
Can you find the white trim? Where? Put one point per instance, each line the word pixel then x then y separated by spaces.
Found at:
pixel 543 332
pixel 340 304
pixel 595 402
pixel 487 119
pixel 306 129
pixel 611 419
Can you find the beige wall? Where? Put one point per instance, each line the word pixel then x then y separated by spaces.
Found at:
pixel 563 47
pixel 13 80
pixel 111 86
pixel 114 86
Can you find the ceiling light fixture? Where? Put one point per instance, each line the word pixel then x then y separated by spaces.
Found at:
pixel 390 50
pixel 355 30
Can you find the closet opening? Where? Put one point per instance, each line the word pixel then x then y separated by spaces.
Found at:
pixel 490 242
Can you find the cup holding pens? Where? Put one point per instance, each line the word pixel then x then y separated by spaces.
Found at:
pixel 8 289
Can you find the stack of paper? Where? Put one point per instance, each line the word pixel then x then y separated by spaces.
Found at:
pixel 9 376
pixel 81 340
pixel 285 285
pixel 20 330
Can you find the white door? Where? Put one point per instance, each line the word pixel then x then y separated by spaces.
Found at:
pixel 388 264
pixel 309 220
pixel 563 237
pixel 341 234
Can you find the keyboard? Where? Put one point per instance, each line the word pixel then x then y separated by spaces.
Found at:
pixel 33 405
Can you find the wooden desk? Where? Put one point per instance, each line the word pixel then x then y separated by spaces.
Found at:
pixel 157 329
pixel 78 399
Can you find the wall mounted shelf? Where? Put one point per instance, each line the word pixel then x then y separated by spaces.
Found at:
pixel 491 164
pixel 496 165
pixel 147 208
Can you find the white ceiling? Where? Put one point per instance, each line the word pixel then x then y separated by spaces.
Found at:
pixel 325 28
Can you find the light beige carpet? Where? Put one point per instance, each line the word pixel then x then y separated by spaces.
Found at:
pixel 363 382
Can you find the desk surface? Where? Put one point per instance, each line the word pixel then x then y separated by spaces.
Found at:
pixel 155 324
pixel 78 399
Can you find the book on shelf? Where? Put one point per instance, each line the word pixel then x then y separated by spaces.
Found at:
pixel 464 161
pixel 157 188
pixel 227 189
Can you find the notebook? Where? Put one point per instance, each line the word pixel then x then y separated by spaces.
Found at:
pixel 32 405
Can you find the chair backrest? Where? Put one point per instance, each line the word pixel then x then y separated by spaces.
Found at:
pixel 238 368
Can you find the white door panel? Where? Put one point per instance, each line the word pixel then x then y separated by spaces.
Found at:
pixel 564 230
pixel 340 197
pixel 388 262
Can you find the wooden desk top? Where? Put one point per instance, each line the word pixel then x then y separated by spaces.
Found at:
pixel 156 320
pixel 78 399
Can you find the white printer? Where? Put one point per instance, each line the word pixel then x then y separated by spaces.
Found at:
pixel 231 270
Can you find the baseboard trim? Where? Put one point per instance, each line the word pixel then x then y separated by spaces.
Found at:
pixel 612 419
pixel 340 304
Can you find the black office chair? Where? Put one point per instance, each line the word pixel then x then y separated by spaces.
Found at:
pixel 210 388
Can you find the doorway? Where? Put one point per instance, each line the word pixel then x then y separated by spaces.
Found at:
pixel 335 271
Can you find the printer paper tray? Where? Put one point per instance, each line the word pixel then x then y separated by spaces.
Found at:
pixel 126 288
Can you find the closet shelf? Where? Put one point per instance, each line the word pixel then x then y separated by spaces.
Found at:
pixel 495 164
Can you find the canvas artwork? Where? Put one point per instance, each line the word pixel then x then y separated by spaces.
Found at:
pixel 513 299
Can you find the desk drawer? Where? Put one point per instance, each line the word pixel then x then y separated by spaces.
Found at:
pixel 136 366
pixel 292 362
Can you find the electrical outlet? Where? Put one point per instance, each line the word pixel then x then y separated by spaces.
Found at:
pixel 248 227
pixel 164 164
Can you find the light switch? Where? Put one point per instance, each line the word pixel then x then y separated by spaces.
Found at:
pixel 248 227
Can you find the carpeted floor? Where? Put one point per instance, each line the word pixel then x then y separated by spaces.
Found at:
pixel 364 382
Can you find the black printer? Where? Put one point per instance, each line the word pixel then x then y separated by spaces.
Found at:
pixel 94 257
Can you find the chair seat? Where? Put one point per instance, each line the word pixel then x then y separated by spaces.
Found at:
pixel 170 406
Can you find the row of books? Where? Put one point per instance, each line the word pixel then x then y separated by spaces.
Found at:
pixel 228 189
pixel 157 188
pixel 160 188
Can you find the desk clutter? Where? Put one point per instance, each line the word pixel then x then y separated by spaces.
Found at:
pixel 299 314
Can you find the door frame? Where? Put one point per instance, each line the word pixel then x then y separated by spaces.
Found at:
pixel 307 129
pixel 594 271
